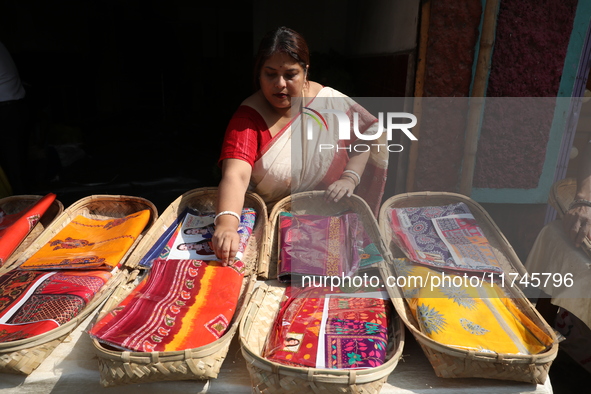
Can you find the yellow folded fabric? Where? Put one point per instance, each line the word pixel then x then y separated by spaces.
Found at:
pixel 455 313
pixel 89 243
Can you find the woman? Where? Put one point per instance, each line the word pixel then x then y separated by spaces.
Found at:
pixel 267 148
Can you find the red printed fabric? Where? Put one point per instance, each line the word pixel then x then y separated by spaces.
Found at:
pixel 317 329
pixel 182 304
pixel 34 302
pixel 15 227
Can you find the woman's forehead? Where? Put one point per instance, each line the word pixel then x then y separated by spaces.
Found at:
pixel 281 60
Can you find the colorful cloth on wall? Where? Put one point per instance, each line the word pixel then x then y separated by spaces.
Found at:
pixel 89 243
pixel 319 245
pixel 479 317
pixel 181 304
pixel 443 237
pixel 34 302
pixel 189 238
pixel 339 331
pixel 15 227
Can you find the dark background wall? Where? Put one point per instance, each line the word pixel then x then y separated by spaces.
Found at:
pixel 133 97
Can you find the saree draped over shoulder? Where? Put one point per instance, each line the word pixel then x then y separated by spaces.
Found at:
pixel 89 243
pixel 15 227
pixel 308 154
pixel 180 304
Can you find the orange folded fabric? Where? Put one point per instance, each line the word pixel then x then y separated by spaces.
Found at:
pixel 15 227
pixel 89 243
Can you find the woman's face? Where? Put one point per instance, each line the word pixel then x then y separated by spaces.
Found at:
pixel 281 79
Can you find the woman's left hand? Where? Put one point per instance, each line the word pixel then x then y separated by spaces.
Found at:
pixel 339 189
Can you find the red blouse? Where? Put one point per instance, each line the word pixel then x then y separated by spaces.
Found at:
pixel 246 136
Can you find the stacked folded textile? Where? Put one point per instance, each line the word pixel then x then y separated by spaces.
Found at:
pixel 445 249
pixel 186 300
pixel 323 245
pixel 15 227
pixel 89 243
pixel 320 328
pixel 181 304
pixel 55 284
pixel 478 318
pixel 34 302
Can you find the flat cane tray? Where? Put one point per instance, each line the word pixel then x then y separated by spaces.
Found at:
pixel 450 362
pixel 24 356
pixel 124 367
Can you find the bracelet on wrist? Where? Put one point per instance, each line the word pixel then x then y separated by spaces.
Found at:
pixel 351 178
pixel 355 174
pixel 226 213
pixel 580 201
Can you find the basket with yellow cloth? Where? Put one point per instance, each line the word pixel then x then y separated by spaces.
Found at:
pixel 65 274
pixel 177 320
pixel 450 260
pixel 312 358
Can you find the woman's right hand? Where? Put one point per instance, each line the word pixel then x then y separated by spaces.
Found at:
pixel 225 242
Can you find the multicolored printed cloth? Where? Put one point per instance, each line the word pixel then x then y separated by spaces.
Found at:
pixel 15 227
pixel 479 318
pixel 34 302
pixel 89 244
pixel 443 237
pixel 181 304
pixel 319 329
pixel 163 247
pixel 319 245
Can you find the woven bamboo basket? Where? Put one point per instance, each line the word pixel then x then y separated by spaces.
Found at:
pixel 449 362
pixel 25 355
pixel 271 377
pixel 15 204
pixel 123 367
pixel 560 197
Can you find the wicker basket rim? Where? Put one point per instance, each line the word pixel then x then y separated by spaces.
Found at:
pixel 324 375
pixel 398 299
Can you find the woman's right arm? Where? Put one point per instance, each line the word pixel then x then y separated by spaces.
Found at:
pixel 232 188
